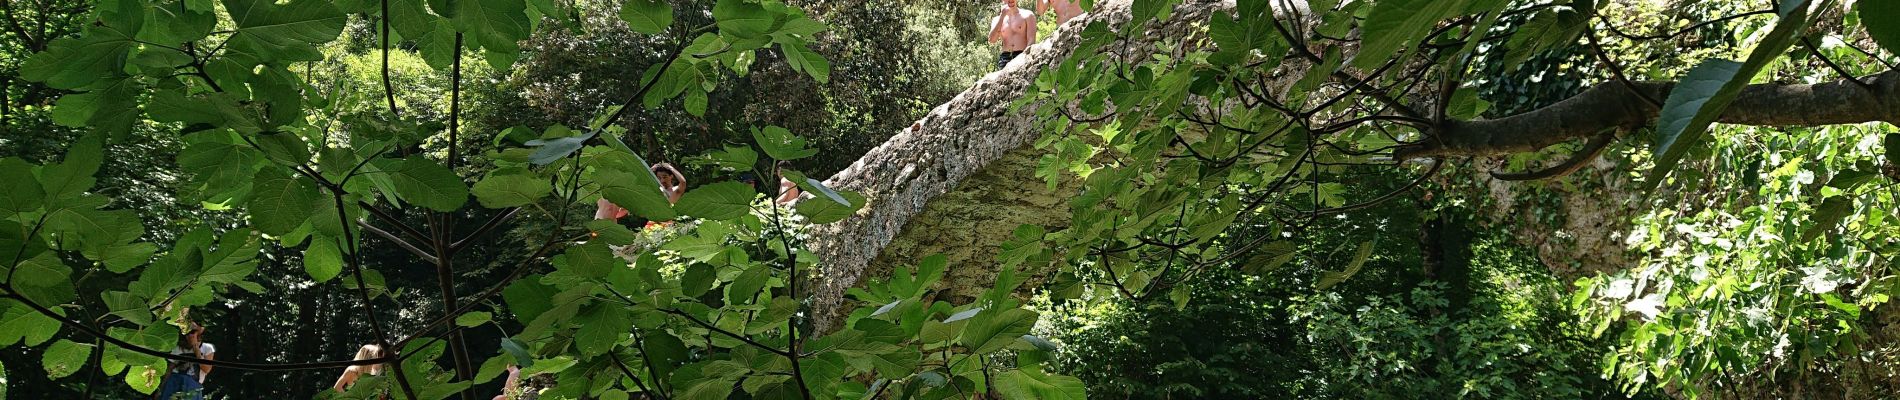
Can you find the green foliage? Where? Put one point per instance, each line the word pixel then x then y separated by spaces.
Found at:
pixel 1778 285
pixel 1362 103
pixel 704 312
pixel 1711 86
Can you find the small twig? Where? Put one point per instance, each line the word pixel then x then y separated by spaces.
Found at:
pixel 1576 162
pixel 1816 51
pixel 1619 32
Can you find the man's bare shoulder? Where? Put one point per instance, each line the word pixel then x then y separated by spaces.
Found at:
pixel 1025 13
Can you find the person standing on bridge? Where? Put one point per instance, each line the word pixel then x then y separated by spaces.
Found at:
pixel 1015 29
pixel 1065 9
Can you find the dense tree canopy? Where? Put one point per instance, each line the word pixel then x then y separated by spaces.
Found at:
pixel 1265 199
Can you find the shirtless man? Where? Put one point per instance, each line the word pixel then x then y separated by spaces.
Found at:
pixel 1065 9
pixel 1015 29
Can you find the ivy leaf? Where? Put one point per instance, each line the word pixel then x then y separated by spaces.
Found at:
pixel 279 203
pixel 1708 90
pixel 993 330
pixel 64 358
pixel 781 144
pixel 719 201
pixel 287 32
pixel 510 190
pixel 322 260
pixel 426 183
pixel 647 16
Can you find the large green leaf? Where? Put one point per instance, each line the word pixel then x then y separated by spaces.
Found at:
pixel 747 285
pixel 592 260
pixel 826 211
pixel 1708 90
pixel 98 55
pixel 1882 20
pixel 21 324
pixel 602 326
pixel 742 19
pixel 426 183
pixel 553 149
pixel 511 190
pixel 1029 383
pixel 64 358
pixel 127 305
pixel 322 260
pixel 172 23
pixel 638 191
pixel 280 203
pixel 719 201
pixel 647 16
pixel 23 191
pixel 289 31
pixel 992 330
pixel 495 24
pixel 1395 23
pixel 814 186
pixel 805 60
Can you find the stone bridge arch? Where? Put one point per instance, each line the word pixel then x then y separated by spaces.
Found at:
pixel 961 179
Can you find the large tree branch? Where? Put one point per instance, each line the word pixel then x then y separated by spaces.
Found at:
pixel 1614 104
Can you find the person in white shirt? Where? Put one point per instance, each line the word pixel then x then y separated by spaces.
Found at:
pixel 185 380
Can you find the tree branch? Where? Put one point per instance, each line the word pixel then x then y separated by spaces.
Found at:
pixel 1576 162
pixel 1613 105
